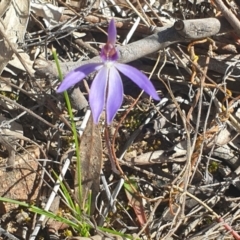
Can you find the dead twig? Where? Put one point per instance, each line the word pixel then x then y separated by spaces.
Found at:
pixel 228 14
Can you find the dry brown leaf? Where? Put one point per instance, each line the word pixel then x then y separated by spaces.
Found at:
pixel 91 162
pixel 13 23
pixel 16 64
pixel 51 14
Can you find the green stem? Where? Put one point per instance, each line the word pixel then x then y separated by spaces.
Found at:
pixel 75 135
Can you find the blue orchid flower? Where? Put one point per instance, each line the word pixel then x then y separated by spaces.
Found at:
pixel 107 89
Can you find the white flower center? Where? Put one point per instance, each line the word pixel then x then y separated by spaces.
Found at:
pixel 109 64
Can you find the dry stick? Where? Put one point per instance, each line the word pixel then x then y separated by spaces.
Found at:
pixel 228 14
pixel 116 131
pixel 136 11
pixel 7 82
pixel 154 13
pixel 70 8
pixel 182 31
pixel 199 95
pixel 218 218
pixel 113 160
pixel 15 50
pixel 49 105
pixel 189 153
pixel 29 111
pixel 197 151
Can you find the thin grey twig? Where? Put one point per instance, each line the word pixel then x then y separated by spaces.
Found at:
pixel 28 111
pixel 7 234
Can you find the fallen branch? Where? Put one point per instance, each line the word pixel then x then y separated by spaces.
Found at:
pixel 181 31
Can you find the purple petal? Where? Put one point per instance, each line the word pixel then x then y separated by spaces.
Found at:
pixel 112 32
pixel 97 94
pixel 77 75
pixel 138 78
pixel 114 94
